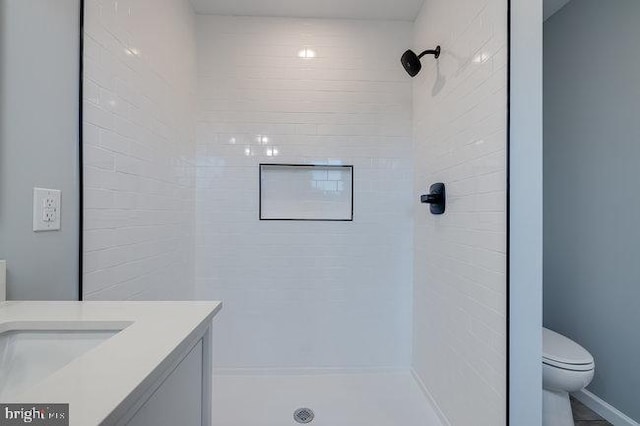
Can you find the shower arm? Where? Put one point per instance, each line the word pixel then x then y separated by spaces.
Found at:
pixel 435 52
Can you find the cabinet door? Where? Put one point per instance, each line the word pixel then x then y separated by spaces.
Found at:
pixel 178 400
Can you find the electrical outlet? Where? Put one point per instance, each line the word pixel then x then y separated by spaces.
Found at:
pixel 46 209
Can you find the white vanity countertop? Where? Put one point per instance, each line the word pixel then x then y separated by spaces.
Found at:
pixel 98 383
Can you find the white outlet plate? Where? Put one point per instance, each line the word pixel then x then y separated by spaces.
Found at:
pixel 46 209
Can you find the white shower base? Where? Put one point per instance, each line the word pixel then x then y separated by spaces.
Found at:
pixel 338 399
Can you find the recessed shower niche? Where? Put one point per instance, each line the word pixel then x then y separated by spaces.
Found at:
pixel 306 192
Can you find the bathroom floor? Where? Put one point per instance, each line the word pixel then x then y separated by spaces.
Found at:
pixel 584 416
pixel 374 399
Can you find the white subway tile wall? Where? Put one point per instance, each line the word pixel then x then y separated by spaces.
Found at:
pixel 310 193
pixel 459 327
pixel 305 294
pixel 139 149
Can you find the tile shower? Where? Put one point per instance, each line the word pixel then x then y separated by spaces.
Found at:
pixel 340 316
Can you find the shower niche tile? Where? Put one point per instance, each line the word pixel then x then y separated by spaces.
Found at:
pixel 311 192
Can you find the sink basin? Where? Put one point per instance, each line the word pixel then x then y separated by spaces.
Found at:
pixel 29 356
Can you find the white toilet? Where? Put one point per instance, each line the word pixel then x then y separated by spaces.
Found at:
pixel 566 367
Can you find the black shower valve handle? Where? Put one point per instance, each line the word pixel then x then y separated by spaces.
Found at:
pixel 430 198
pixel 436 198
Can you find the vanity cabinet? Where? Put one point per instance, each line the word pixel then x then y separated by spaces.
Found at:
pixel 115 363
pixel 178 399
pixel 181 395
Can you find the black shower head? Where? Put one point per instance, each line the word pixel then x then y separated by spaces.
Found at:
pixel 411 61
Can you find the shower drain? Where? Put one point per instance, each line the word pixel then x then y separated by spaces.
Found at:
pixel 303 415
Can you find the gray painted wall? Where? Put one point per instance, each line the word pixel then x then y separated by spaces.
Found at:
pixel 39 45
pixel 592 189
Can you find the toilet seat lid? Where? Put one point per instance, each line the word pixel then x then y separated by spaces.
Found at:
pixel 561 351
